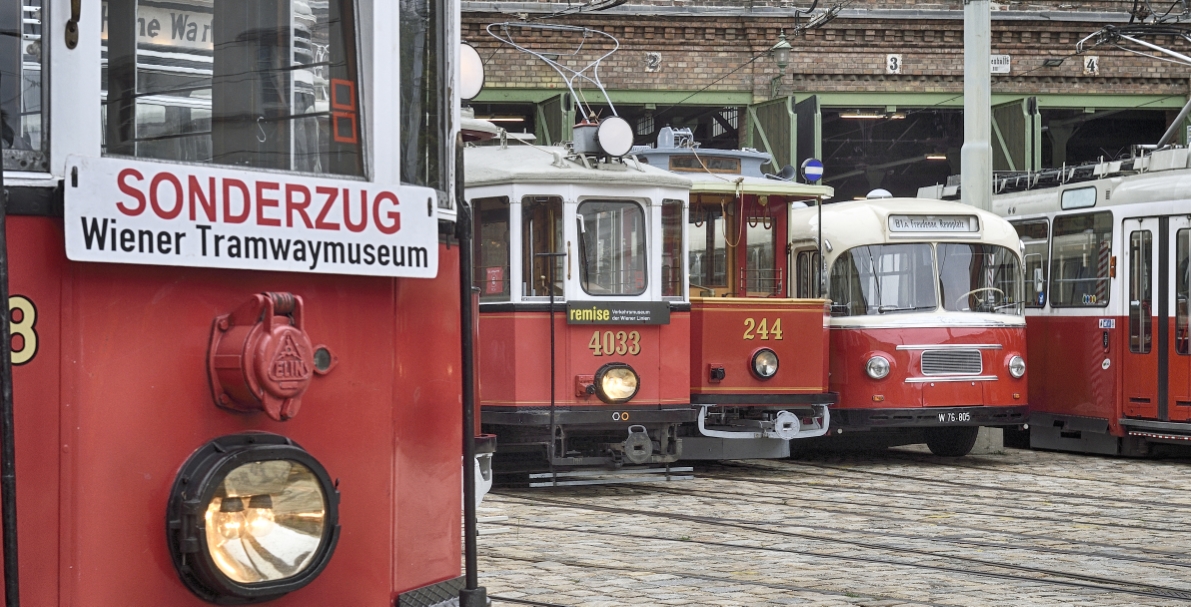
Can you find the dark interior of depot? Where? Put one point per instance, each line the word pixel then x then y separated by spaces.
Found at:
pixel 899 150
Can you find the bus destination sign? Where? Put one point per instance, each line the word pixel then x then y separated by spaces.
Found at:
pixel 934 223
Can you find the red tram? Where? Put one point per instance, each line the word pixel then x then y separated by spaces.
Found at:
pixel 927 332
pixel 234 303
pixel 1107 257
pixel 584 328
pixel 759 357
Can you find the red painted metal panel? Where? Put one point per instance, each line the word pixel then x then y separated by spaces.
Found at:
pixel 1071 378
pixel 118 397
pixel 515 359
pixel 728 331
pixel 1180 378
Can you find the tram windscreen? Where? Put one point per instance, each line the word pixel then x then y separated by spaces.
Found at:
pixel 883 279
pixel 979 278
pixel 1081 260
pixel 256 83
pixel 708 253
pixel 20 87
pixel 612 256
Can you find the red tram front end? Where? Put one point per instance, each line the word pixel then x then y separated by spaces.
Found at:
pixel 583 327
pixel 234 304
pixel 927 333
pixel 759 344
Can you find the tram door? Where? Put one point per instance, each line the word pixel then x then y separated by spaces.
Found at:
pixel 1157 362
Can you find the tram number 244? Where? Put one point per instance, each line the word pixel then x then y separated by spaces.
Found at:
pixel 763 330
pixel 620 343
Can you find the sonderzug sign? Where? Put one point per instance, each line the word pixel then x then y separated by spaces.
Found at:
pixel 934 223
pixel 618 313
pixel 126 211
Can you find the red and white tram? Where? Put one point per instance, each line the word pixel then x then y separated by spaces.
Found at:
pixel 927 332
pixel 759 358
pixel 234 301
pixel 1107 250
pixel 584 328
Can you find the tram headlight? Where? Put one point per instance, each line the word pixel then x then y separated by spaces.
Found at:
pixel 616 383
pixel 1017 366
pixel 877 367
pixel 251 517
pixel 764 363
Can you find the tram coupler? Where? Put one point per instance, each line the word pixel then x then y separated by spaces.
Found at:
pixel 781 424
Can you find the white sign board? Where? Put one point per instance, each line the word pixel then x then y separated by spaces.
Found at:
pixel 134 211
pixel 934 223
pixel 893 64
pixel 999 64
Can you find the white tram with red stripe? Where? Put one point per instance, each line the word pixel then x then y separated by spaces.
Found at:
pixel 927 332
pixel 1107 250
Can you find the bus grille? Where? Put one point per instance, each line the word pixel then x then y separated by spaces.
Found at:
pixel 951 362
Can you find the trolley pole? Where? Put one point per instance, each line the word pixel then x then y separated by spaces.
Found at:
pixel 8 464
pixel 976 153
pixel 472 595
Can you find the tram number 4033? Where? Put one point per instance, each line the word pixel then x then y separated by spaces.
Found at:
pixel 22 318
pixel 620 342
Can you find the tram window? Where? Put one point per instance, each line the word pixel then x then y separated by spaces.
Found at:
pixel 1081 255
pixel 491 248
pixel 1080 198
pixel 265 83
pixel 21 91
pixel 612 254
pixel 883 279
pixel 708 255
pixel 672 270
pixel 1141 299
pixel 809 269
pixel 1033 235
pixel 762 275
pixel 979 278
pixel 541 233
pixel 1182 279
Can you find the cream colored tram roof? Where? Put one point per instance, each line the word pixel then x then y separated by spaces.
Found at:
pixel 714 183
pixel 522 164
pixel 861 222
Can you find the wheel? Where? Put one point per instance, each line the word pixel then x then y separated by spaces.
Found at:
pixel 952 442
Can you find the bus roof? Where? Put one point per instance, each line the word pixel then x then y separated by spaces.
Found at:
pixel 889 220
pixel 521 164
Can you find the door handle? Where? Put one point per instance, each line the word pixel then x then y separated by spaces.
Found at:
pixel 72 26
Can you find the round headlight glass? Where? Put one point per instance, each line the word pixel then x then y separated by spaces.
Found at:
pixel 1017 366
pixel 251 517
pixel 877 367
pixel 765 363
pixel 617 383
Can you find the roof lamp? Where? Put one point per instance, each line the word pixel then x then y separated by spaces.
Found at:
pixel 781 51
pixel 858 115
pixel 251 517
pixel 471 72
pixel 615 136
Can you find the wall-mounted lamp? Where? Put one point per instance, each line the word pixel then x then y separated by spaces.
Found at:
pixel 781 51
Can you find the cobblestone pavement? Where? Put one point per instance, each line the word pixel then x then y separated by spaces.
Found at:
pixel 899 527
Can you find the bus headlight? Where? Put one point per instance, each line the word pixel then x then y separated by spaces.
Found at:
pixel 616 383
pixel 877 367
pixel 1017 366
pixel 251 517
pixel 764 363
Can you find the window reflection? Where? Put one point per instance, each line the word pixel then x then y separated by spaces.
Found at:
pixel 612 248
pixel 21 115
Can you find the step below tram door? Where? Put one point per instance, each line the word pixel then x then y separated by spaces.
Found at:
pixel 1156 362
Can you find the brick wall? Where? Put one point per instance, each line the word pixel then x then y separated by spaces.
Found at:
pixel 847 55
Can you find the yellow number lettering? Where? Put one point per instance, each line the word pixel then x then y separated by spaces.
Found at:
pixel 763 329
pixel 622 344
pixel 594 344
pixel 23 328
pixel 609 343
pixel 749 324
pixel 776 330
pixel 635 348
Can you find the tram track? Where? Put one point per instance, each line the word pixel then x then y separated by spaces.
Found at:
pixel 1068 578
pixel 967 507
pixel 965 542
